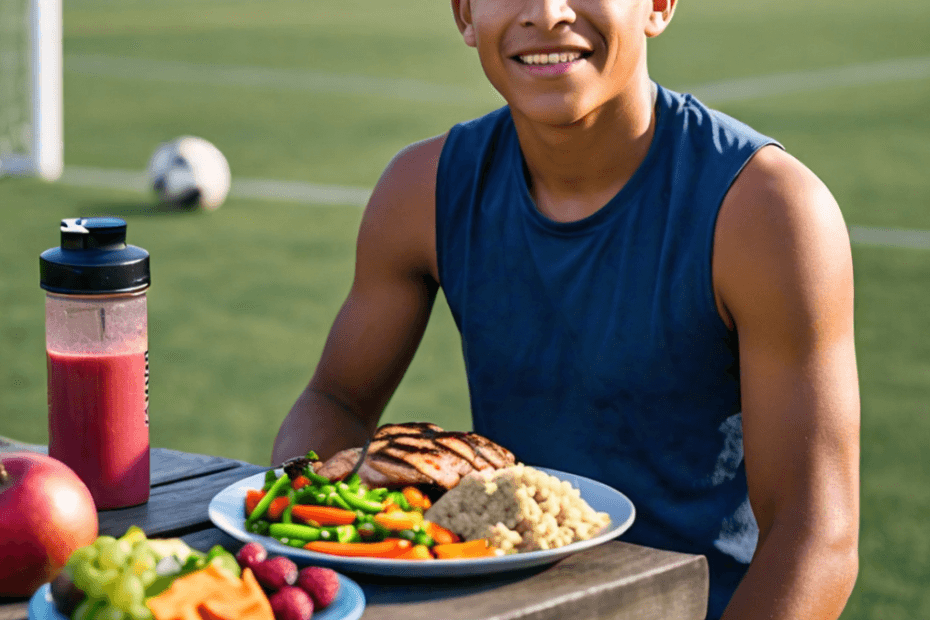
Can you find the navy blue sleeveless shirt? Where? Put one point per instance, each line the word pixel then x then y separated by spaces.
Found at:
pixel 596 346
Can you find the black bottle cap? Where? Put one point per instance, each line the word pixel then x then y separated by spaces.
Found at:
pixel 94 259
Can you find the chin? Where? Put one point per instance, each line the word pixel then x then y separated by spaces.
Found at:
pixel 553 110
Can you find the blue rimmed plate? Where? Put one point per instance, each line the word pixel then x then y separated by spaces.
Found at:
pixel 349 604
pixel 227 511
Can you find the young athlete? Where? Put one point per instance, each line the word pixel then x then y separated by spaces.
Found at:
pixel 649 293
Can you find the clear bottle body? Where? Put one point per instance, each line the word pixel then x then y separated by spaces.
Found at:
pixel 97 359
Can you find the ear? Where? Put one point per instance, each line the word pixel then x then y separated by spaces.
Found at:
pixel 461 9
pixel 662 12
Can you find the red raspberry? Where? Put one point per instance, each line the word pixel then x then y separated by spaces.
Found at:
pixel 291 603
pixel 322 584
pixel 275 573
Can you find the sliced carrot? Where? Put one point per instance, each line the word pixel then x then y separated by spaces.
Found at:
pixel 390 506
pixel 416 498
pixel 399 520
pixel 477 548
pixel 439 534
pixel 387 548
pixel 276 508
pixel 323 515
pixel 252 497
pixel 416 552
pixel 300 482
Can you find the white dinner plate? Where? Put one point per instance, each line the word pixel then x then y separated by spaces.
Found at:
pixel 348 604
pixel 227 511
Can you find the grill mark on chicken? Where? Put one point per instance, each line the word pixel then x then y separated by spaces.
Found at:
pixel 419 453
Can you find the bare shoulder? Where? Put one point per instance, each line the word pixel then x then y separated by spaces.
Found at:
pixel 781 241
pixel 399 223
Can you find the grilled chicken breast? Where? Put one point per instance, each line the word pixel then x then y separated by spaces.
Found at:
pixel 418 454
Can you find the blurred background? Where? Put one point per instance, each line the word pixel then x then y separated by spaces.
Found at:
pixel 303 96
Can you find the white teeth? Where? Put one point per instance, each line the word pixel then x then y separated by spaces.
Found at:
pixel 549 59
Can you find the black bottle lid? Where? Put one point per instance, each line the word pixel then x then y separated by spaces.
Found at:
pixel 94 259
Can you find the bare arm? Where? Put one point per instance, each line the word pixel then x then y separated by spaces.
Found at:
pixel 379 327
pixel 783 272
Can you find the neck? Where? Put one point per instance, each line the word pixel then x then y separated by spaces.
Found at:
pixel 574 170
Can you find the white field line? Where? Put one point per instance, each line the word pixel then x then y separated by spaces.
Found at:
pixel 254 189
pixel 312 193
pixel 267 78
pixel 890 237
pixel 725 91
pixel 744 89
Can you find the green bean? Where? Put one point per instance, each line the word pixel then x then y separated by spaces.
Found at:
pixel 422 538
pixel 407 534
pixel 347 534
pixel 270 478
pixel 358 503
pixel 329 533
pixel 294 530
pixel 273 492
pixel 294 542
pixel 377 495
pixel 315 478
pixel 259 527
pixel 305 494
pixel 398 498
pixel 333 499
pixel 291 500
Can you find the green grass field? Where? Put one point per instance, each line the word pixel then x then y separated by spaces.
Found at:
pixel 242 298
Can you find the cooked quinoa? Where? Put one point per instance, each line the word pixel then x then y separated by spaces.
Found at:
pixel 517 508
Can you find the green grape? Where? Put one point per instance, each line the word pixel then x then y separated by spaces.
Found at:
pixel 110 612
pixel 85 554
pixel 87 610
pixel 87 578
pixel 140 612
pixel 104 541
pixel 141 561
pixel 148 578
pixel 112 556
pixel 127 591
pixel 107 581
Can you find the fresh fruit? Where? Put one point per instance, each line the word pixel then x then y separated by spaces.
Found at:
pixel 212 592
pixel 47 512
pixel 291 603
pixel 275 573
pixel 322 584
pixel 251 554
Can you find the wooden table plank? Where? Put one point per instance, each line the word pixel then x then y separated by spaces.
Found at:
pixel 614 580
pixel 177 508
pixel 170 466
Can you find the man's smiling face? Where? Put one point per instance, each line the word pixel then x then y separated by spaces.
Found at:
pixel 556 61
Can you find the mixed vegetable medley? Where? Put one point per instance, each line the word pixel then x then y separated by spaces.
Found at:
pixel 303 509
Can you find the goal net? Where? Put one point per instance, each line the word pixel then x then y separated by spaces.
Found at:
pixel 30 88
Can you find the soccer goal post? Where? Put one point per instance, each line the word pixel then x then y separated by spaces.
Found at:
pixel 31 116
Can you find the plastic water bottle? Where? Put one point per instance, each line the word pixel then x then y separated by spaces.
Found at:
pixel 96 330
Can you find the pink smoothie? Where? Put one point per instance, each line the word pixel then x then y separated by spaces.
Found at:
pixel 98 423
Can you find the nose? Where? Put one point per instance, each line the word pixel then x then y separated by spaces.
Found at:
pixel 546 14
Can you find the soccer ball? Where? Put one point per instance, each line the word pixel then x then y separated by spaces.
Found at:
pixel 189 172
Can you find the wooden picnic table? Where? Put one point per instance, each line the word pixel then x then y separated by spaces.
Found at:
pixel 615 580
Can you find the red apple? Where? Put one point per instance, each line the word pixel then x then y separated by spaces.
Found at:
pixel 47 512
